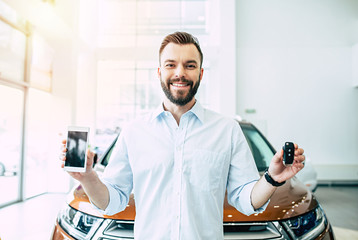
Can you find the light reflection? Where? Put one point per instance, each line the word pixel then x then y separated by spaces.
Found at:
pixel 43 16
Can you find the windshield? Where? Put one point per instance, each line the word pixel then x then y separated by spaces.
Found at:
pixel 260 148
pixel 104 158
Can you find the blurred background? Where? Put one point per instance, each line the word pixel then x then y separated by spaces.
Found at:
pixel 289 67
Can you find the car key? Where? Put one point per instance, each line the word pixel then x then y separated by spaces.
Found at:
pixel 288 153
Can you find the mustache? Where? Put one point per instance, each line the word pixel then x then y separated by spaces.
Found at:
pixel 183 80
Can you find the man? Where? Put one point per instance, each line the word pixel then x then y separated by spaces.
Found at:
pixel 180 159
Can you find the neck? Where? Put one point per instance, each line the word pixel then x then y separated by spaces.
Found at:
pixel 176 110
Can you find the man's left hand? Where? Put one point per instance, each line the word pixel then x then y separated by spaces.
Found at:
pixel 279 172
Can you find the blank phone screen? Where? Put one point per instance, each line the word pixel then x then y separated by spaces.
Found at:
pixel 76 149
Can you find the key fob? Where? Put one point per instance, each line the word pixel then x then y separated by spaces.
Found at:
pixel 288 153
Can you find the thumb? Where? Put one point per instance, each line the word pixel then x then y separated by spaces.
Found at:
pixel 277 158
pixel 90 156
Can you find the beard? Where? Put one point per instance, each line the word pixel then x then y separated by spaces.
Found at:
pixel 181 99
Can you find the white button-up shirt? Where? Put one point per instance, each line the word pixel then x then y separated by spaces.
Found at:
pixel 179 174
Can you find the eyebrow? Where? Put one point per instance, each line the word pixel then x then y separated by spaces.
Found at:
pixel 169 60
pixel 189 61
pixel 192 61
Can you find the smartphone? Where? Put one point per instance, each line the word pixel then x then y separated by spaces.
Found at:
pixel 76 155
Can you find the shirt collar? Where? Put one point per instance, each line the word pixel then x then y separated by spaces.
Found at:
pixel 197 110
pixel 157 112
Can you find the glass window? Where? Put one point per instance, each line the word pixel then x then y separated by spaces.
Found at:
pixel 144 23
pixel 41 64
pixel 10 15
pixel 11 119
pixel 37 142
pixel 12 53
pixel 134 30
pixel 117 21
pixel 260 149
pixel 124 91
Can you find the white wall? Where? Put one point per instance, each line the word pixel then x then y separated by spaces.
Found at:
pixel 294 70
pixel 86 66
pixel 222 57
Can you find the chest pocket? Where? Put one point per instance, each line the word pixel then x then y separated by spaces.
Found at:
pixel 205 170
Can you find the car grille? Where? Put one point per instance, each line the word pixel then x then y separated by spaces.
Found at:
pixel 252 230
pixel 123 229
pixel 120 229
pixel 115 229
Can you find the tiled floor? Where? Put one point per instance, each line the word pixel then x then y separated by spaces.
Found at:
pixel 34 219
pixel 31 220
pixel 341 207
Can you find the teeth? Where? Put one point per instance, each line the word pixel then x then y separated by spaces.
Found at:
pixel 179 85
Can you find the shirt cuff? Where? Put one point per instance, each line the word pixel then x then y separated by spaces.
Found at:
pixel 246 204
pixel 110 210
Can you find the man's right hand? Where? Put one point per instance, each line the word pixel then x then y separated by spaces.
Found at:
pixel 80 176
pixel 93 186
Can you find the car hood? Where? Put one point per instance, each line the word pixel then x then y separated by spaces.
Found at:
pixel 289 200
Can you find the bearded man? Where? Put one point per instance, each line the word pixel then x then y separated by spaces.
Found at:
pixel 180 159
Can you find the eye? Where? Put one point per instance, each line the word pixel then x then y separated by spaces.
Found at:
pixel 169 65
pixel 191 66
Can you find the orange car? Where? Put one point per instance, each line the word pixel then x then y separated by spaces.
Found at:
pixel 293 212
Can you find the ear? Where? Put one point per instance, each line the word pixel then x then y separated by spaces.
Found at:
pixel 201 73
pixel 159 72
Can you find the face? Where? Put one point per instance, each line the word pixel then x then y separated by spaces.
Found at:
pixel 180 73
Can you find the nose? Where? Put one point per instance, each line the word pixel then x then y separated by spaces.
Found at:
pixel 179 71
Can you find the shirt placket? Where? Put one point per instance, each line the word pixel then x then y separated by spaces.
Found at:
pixel 180 133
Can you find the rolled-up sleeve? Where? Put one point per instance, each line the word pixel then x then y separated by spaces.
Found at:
pixel 243 175
pixel 118 179
pixel 243 202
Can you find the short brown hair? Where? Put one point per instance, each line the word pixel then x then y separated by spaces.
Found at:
pixel 181 38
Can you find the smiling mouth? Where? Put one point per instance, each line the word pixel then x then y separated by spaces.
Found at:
pixel 180 84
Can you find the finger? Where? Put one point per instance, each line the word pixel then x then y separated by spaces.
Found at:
pixel 300 158
pixel 89 153
pixel 62 157
pixel 299 151
pixel 298 166
pixel 90 156
pixel 63 146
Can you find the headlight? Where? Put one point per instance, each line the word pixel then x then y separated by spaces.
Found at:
pixel 306 226
pixel 78 224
